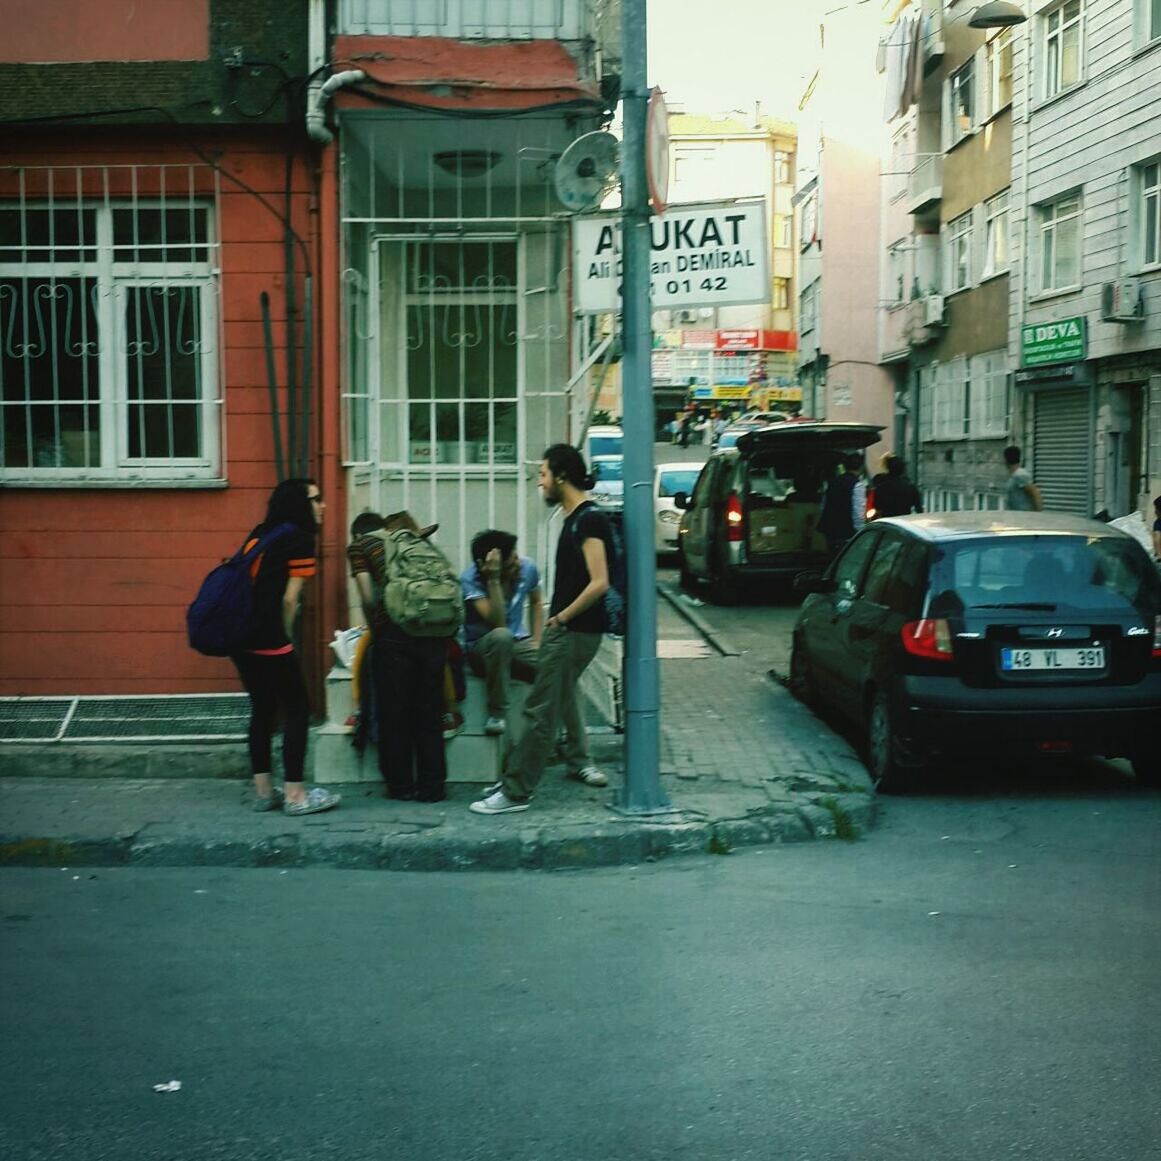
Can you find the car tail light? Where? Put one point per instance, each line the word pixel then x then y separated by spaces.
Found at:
pixel 871 510
pixel 733 518
pixel 1157 637
pixel 927 638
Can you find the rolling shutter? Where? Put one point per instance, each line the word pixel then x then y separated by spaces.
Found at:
pixel 1061 451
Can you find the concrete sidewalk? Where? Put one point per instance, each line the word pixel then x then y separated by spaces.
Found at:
pixel 742 763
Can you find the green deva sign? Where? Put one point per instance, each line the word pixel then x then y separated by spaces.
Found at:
pixel 1065 341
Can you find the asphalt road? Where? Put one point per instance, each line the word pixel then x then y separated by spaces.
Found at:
pixel 976 982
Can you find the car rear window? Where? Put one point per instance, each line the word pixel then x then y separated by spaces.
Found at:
pixel 671 483
pixel 1049 571
pixel 610 469
pixel 605 445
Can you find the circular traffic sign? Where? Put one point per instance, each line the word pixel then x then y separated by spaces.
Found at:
pixel 657 151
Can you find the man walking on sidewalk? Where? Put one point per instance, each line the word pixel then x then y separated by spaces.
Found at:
pixel 572 634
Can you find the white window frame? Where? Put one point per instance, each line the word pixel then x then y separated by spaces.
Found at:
pixel 1050 216
pixel 950 417
pixel 1055 25
pixel 896 290
pixel 964 76
pixel 114 273
pixel 988 402
pixel 1147 200
pixel 1146 22
pixel 958 251
pixel 997 236
pixel 781 167
pixel 808 309
pixel 780 301
pixel 998 66
pixel 925 391
pixel 783 231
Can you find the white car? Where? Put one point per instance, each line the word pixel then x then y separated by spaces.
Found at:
pixel 609 490
pixel 603 440
pixel 668 480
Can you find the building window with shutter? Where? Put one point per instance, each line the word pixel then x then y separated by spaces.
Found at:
pixel 988 403
pixel 999 65
pixel 1062 31
pixel 1059 232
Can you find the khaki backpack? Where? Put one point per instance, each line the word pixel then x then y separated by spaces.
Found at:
pixel 422 592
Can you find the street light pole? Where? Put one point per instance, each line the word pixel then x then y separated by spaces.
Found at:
pixel 641 792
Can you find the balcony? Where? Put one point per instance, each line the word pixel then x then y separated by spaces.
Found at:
pixel 474 19
pixel 931 29
pixel 925 320
pixel 925 184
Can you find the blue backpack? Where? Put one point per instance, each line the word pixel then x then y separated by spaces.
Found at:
pixel 222 617
pixel 617 595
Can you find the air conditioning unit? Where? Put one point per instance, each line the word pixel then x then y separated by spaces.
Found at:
pixel 933 310
pixel 1121 301
pixel 688 317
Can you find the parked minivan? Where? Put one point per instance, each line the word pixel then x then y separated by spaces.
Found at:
pixel 603 440
pixel 754 510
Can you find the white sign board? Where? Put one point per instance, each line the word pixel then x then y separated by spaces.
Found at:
pixel 710 254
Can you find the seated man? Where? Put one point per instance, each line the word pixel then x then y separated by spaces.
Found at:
pixel 500 590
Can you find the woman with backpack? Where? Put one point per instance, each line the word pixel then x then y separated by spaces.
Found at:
pixel 269 666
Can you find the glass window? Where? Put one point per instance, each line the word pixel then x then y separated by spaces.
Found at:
pixel 959 253
pixel 996 235
pixel 1153 28
pixel 999 58
pixel 781 167
pixel 1062 46
pixel 701 493
pixel 1060 244
pixel 962 95
pixel 108 331
pixel 781 294
pixel 783 231
pixel 988 403
pixel 672 482
pixel 882 565
pixel 848 569
pixel 1150 212
pixel 897 272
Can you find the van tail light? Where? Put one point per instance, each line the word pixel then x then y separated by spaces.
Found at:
pixel 733 518
pixel 1157 637
pixel 871 510
pixel 927 638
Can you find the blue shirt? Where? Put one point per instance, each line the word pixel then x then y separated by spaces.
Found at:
pixel 474 589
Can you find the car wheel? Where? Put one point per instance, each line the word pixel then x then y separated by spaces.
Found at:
pixel 1147 768
pixel 801 684
pixel 884 748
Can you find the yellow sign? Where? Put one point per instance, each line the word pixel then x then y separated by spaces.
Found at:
pixel 721 392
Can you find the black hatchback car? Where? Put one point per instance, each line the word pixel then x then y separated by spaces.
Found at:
pixel 1001 633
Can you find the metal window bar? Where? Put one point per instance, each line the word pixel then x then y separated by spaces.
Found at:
pixel 64 363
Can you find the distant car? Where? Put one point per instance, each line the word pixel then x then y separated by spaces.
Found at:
pixel 730 437
pixel 668 480
pixel 603 440
pixel 753 513
pixel 997 634
pixel 609 489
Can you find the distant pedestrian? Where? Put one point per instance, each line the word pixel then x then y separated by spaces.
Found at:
pixel 1022 495
pixel 269 666
pixel 572 635
pixel 686 424
pixel 895 494
pixel 1157 528
pixel 836 520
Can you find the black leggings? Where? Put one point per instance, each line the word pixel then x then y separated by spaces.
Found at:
pixel 274 683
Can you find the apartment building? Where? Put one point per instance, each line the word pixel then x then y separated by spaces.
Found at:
pixel 732 357
pixel 837 200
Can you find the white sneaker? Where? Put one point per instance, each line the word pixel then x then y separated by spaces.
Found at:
pixel 590 776
pixel 497 803
pixel 495 725
pixel 500 786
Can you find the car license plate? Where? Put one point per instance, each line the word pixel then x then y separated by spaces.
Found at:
pixel 1020 660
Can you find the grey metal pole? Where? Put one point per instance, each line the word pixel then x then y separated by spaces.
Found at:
pixel 641 791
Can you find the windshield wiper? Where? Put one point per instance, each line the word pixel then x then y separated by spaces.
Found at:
pixel 1032 605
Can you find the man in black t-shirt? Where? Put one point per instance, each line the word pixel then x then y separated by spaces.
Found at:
pixel 572 633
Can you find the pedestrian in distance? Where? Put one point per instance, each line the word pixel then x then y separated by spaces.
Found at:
pixel 895 494
pixel 503 627
pixel 1021 495
pixel 269 666
pixel 407 670
pixel 1157 528
pixel 572 634
pixel 836 521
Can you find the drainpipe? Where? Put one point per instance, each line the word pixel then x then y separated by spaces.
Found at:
pixel 318 92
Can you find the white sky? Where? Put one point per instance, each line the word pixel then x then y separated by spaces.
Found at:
pixel 718 55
